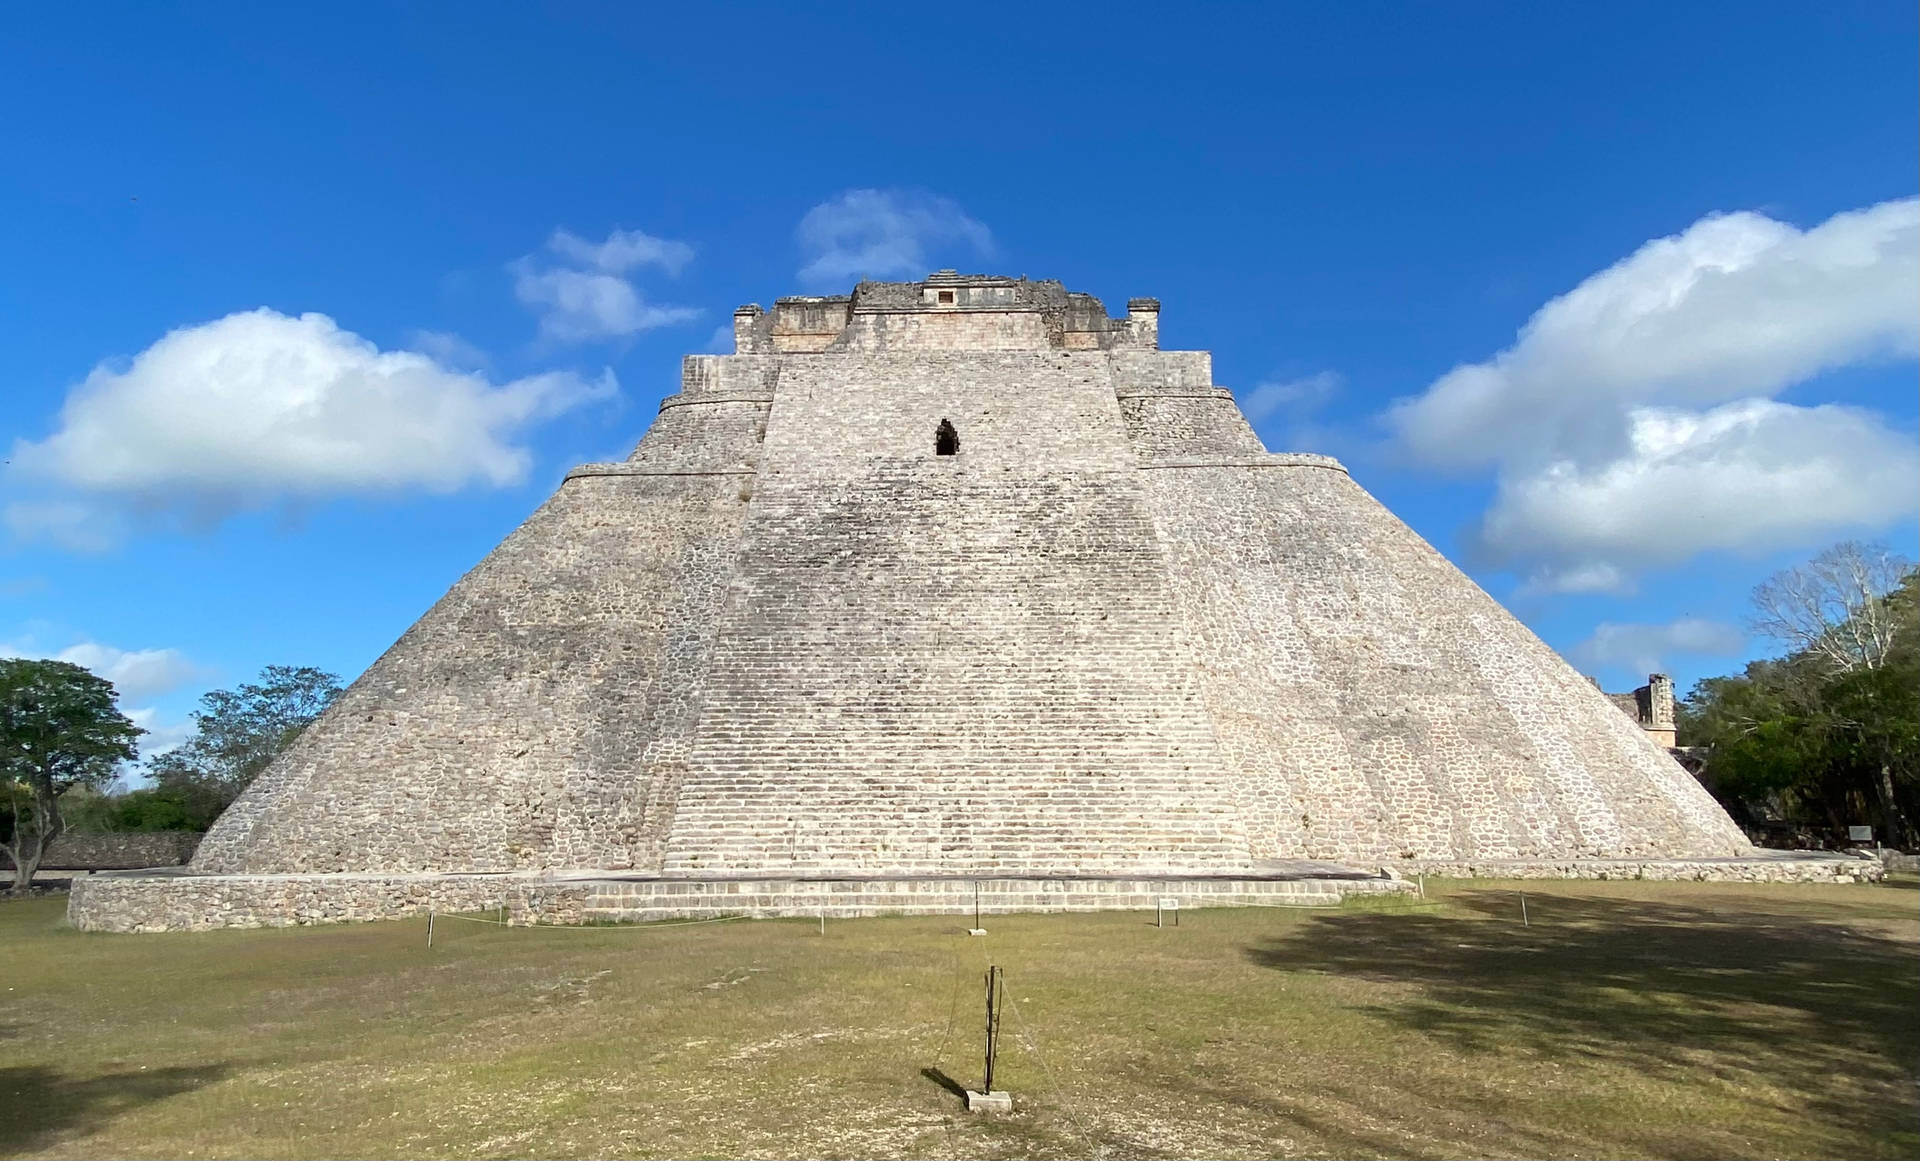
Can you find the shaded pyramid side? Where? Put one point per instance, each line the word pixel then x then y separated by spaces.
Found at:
pixel 1376 704
pixel 537 716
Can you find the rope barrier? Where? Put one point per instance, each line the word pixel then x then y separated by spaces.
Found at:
pixel 1032 1044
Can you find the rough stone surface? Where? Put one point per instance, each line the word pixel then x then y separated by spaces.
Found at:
pixel 1111 636
pixel 1762 867
pixel 146 903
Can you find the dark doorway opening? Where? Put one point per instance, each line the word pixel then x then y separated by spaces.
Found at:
pixel 946 441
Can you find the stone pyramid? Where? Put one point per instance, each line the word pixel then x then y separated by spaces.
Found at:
pixel 956 578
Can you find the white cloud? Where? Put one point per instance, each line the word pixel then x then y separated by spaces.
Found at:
pixel 873 233
pixel 1648 648
pixel 136 675
pixel 578 306
pixel 259 408
pixel 1630 424
pixel 622 251
pixel 1747 476
pixel 1738 305
pixel 587 297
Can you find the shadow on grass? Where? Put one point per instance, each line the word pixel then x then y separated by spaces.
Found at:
pixel 38 1105
pixel 944 1081
pixel 1776 993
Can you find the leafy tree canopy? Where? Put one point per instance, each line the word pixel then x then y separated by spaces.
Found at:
pixel 237 733
pixel 59 728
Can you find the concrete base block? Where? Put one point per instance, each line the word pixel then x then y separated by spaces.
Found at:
pixel 997 1101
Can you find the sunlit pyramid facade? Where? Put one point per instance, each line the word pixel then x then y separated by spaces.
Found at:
pixel 957 578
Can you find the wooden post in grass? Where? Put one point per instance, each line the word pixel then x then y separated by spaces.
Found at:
pixel 996 991
pixel 1523 910
pixel 989 1099
pixel 429 930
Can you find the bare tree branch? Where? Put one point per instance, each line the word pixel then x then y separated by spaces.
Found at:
pixel 1833 607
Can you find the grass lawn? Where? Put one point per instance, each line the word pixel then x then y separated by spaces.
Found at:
pixel 1629 1019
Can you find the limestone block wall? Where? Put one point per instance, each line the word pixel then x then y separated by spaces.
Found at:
pixel 701 433
pixel 1375 704
pixel 1162 425
pixel 718 419
pixel 536 716
pixel 205 903
pixel 1140 372
pixel 1026 412
pixel 957 665
pixel 995 330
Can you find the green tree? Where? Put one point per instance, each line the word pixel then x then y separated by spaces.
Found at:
pixel 59 728
pixel 1875 712
pixel 146 808
pixel 1828 733
pixel 237 733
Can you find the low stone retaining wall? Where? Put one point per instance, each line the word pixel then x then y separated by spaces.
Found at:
pixel 186 902
pixel 1769 867
pixel 123 902
pixel 126 850
pixel 644 901
pixel 182 902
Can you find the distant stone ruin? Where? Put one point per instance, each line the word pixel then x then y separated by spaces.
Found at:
pixel 938 582
pixel 1651 708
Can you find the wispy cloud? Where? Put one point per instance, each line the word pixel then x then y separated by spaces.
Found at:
pixel 1646 648
pixel 880 233
pixel 586 295
pixel 1299 397
pixel 623 250
pixel 450 350
pixel 138 676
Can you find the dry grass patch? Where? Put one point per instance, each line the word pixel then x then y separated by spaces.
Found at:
pixel 1629 1019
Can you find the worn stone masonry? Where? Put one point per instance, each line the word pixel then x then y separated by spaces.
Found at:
pixel 952 579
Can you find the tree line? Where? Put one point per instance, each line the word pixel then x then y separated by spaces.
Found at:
pixel 1826 735
pixel 64 742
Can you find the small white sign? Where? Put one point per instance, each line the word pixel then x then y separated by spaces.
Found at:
pixel 1169 903
pixel 1859 834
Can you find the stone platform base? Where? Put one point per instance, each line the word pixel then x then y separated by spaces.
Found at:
pixel 173 900
pixel 1764 866
pixel 185 902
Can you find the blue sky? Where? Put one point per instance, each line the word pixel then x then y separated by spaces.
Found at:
pixel 1615 304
